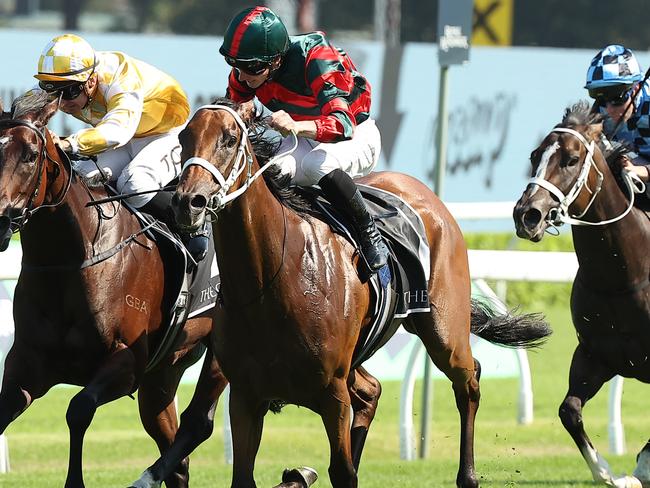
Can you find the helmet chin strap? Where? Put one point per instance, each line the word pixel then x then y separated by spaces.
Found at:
pixel 275 66
pixel 89 96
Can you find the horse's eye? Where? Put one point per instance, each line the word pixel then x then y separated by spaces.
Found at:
pixel 572 160
pixel 30 153
pixel 231 141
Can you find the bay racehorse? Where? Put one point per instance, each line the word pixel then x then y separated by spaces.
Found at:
pixel 88 305
pixel 294 305
pixel 577 180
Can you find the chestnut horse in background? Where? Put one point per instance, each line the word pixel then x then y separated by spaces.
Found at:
pixel 295 309
pixel 610 301
pixel 92 323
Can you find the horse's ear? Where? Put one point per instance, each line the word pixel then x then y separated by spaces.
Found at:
pixel 2 108
pixel 47 112
pixel 247 111
pixel 594 131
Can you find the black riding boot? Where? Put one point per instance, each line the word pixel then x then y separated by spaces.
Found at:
pixel 160 208
pixel 342 192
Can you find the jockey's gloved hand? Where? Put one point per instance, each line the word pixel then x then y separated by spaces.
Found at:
pixel 97 176
pixel 63 143
pixel 65 146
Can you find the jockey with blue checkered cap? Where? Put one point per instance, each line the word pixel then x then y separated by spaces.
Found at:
pixel 622 94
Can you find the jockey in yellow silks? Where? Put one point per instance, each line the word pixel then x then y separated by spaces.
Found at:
pixel 135 112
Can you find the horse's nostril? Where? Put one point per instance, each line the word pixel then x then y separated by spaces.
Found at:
pixel 198 202
pixel 532 218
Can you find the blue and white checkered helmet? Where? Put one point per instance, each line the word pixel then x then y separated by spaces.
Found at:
pixel 614 65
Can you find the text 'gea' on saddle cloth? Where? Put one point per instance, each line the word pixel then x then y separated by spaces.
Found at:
pixel 190 291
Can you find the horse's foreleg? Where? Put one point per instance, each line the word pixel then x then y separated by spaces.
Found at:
pixel 21 384
pixel 586 377
pixel 159 417
pixel 13 401
pixel 114 379
pixel 642 470
pixel 335 412
pixel 246 421
pixel 196 425
pixel 364 392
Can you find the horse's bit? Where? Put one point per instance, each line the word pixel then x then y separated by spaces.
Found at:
pixel 222 197
pixel 560 215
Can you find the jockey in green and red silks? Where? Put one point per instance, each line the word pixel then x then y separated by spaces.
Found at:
pixel 315 91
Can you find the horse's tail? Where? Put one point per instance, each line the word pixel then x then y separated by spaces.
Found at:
pixel 525 330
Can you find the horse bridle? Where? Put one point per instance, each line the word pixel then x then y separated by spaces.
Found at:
pixel 560 214
pixel 29 208
pixel 222 197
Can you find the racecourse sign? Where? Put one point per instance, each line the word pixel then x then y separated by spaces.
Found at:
pixel 454 31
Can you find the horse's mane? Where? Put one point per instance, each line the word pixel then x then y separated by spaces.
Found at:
pixel 581 114
pixel 265 147
pixel 30 102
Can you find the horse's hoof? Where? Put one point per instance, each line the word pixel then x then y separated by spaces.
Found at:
pixel 146 480
pixel 642 470
pixel 627 482
pixel 467 482
pixel 304 475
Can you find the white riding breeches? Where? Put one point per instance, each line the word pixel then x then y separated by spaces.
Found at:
pixel 312 159
pixel 144 163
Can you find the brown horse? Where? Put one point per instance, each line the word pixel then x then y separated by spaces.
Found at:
pixel 295 308
pixel 610 301
pixel 81 319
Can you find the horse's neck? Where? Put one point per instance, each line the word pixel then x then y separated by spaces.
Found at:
pixel 60 234
pixel 250 237
pixel 615 254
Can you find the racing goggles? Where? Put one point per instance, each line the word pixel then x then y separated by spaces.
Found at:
pixel 68 91
pixel 252 68
pixel 613 95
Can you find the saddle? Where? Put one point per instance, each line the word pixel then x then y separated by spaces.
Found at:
pixel 400 288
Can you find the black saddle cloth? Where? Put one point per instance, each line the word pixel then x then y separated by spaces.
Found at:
pixel 189 290
pixel 399 290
